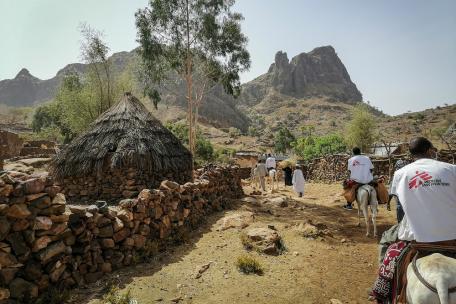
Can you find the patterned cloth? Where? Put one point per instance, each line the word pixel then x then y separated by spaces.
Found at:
pixel 383 286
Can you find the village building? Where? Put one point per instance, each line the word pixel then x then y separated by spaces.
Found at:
pixel 124 151
pixel 10 145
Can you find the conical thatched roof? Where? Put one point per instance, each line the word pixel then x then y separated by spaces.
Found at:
pixel 126 135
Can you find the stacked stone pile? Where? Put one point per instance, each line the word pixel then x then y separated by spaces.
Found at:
pixel 333 168
pixel 114 184
pixel 45 242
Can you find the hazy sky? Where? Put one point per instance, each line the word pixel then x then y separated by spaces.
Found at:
pixel 401 54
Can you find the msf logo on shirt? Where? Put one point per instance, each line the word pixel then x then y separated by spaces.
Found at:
pixel 356 163
pixel 419 179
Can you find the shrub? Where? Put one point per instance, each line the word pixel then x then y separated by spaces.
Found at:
pixel 248 264
pixel 234 132
pixel 54 296
pixel 113 296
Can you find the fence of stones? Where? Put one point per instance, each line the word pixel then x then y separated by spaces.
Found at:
pixel 45 242
pixel 333 168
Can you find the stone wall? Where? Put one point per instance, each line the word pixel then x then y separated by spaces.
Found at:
pixel 333 168
pixel 38 147
pixel 45 242
pixel 116 184
pixel 10 144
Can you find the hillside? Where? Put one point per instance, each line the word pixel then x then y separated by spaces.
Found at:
pixel 312 88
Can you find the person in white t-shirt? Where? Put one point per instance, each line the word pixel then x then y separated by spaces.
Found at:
pixel 270 163
pixel 360 167
pixel 426 189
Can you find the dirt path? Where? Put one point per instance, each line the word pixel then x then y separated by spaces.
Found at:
pixel 340 265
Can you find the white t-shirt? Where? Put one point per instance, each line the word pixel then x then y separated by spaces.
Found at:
pixel 426 189
pixel 359 167
pixel 404 232
pixel 270 162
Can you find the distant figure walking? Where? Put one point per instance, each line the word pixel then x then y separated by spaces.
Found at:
pixel 261 172
pixel 288 175
pixel 270 162
pixel 298 181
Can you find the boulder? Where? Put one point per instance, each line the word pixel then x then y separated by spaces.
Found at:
pixel 5 227
pixel 239 220
pixel 21 224
pixel 50 251
pixel 41 243
pixel 18 244
pixel 4 294
pixel 107 243
pixel 7 259
pixel 42 223
pixel 106 231
pixel 169 185
pixel 59 199
pixel 34 185
pixel 264 240
pixel 7 275
pixel 18 211
pixel 121 235
pixel 280 202
pixel 6 190
pixel 22 289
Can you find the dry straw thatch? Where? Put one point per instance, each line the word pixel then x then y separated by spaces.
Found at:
pixel 126 135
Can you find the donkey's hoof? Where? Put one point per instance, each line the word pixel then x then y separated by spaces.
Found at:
pixel 359 225
pixel 367 234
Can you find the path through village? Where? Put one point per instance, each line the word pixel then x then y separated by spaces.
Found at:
pixel 329 260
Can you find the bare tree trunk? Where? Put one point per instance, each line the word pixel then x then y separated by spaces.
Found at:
pixel 100 83
pixel 108 82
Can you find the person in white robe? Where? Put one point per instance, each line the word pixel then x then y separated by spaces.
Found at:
pixel 298 181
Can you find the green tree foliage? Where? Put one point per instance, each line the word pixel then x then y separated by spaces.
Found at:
pixel 48 119
pixel 283 140
pixel 310 147
pixel 204 149
pixel 361 130
pixel 94 52
pixel 199 41
pixel 82 98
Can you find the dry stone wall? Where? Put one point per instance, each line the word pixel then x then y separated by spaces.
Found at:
pixel 44 241
pixel 333 168
pixel 116 184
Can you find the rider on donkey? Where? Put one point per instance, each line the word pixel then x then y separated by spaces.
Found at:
pixel 427 190
pixel 360 167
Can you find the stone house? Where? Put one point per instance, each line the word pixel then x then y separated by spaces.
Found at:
pixel 124 151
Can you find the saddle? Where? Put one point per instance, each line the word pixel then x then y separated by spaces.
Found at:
pixel 351 188
pixel 409 256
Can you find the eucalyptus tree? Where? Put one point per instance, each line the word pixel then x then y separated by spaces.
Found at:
pixel 199 42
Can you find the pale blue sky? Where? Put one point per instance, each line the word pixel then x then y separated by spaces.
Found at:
pixel 401 54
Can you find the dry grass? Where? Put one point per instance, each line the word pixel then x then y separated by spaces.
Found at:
pixel 248 264
pixel 114 296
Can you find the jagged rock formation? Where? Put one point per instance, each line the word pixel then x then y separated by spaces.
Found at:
pixel 319 73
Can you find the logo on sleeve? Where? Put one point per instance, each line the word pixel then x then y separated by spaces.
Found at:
pixel 424 179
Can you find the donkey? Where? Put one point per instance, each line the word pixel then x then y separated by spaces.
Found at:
pixel 432 280
pixel 273 179
pixel 365 196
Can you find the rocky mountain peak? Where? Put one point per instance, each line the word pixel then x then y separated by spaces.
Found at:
pixel 317 73
pixel 24 73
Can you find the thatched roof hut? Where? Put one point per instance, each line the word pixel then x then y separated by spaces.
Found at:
pixel 126 138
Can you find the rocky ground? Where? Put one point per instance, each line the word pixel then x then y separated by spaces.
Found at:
pixel 327 259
